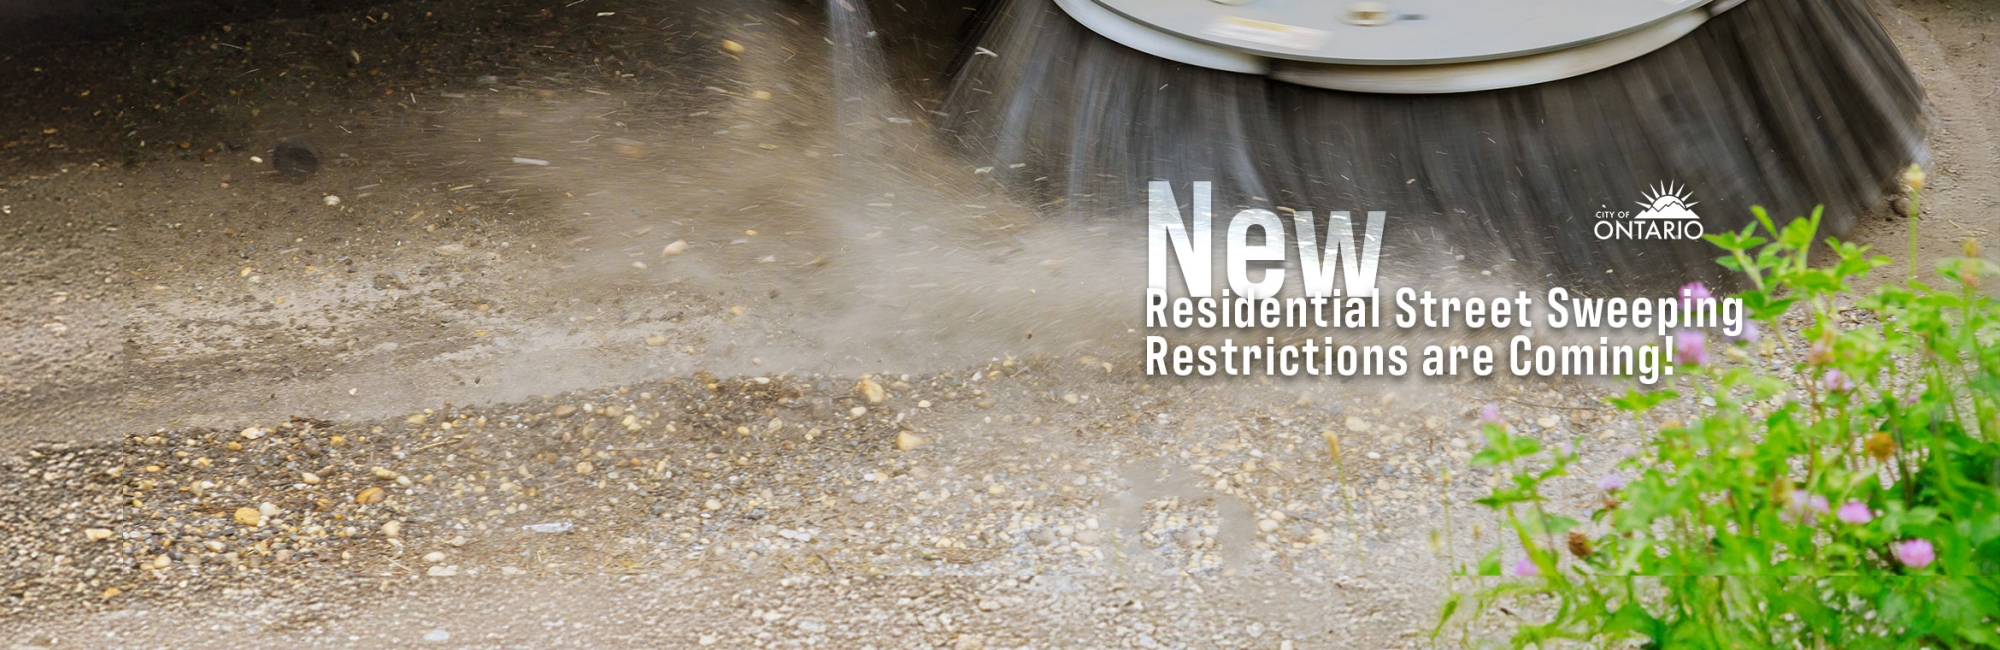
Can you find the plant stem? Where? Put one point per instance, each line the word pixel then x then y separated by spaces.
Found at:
pixel 1914 193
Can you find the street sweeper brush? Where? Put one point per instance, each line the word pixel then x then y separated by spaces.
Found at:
pixel 1531 136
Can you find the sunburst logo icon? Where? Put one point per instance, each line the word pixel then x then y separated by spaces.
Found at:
pixel 1668 214
pixel 1667 201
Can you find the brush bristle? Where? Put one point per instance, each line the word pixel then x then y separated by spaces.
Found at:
pixel 1787 104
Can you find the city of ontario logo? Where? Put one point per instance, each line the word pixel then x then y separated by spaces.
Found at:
pixel 1667 215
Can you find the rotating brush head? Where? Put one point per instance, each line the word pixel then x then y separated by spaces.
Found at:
pixel 1787 104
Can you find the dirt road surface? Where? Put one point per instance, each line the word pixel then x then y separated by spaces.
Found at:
pixel 608 324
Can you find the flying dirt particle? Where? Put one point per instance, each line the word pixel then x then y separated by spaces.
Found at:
pixel 675 248
pixel 732 47
pixel 906 441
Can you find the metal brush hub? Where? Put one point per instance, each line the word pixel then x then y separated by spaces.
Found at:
pixel 1398 46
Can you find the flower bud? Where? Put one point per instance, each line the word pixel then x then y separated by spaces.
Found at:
pixel 1880 446
pixel 1579 544
pixel 1914 177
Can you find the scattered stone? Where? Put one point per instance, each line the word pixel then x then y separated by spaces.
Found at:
pixel 553 527
pixel 871 391
pixel 371 496
pixel 97 534
pixel 249 517
pixel 675 248
pixel 437 636
pixel 907 441
pixel 565 410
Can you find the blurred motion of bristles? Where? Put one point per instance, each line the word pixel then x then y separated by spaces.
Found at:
pixel 1782 103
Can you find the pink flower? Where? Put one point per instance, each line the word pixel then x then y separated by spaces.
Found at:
pixel 1855 513
pixel 1803 506
pixel 1691 347
pixel 1750 333
pixel 1695 291
pixel 1820 352
pixel 1526 567
pixel 1916 553
pixel 1611 482
pixel 1490 414
pixel 1836 381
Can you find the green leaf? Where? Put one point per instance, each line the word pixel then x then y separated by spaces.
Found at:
pixel 1638 402
pixel 1444 614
